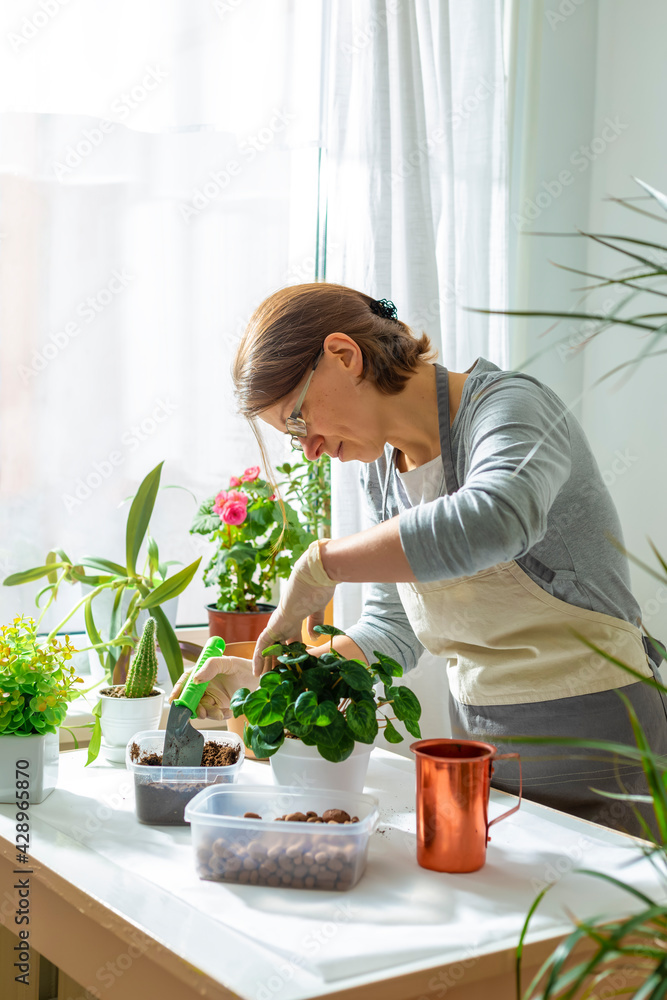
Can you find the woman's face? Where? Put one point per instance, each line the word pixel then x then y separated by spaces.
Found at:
pixel 343 415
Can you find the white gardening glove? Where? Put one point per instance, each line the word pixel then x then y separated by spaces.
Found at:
pixel 305 595
pixel 225 675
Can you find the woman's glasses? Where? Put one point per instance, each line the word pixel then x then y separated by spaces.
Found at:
pixel 295 424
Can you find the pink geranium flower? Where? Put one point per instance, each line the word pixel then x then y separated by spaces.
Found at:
pixel 220 502
pixel 234 512
pixel 250 474
pixel 235 481
pixel 240 497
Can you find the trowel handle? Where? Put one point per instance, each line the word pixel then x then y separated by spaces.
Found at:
pixel 192 693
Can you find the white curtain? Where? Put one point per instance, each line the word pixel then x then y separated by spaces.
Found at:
pixel 159 170
pixel 417 200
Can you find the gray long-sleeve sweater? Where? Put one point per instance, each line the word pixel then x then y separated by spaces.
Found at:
pixel 555 510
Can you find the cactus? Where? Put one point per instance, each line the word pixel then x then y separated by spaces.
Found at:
pixel 142 672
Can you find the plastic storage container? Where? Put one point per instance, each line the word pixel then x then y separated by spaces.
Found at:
pixel 298 855
pixel 162 793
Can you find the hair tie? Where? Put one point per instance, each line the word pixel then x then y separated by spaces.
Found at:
pixel 384 308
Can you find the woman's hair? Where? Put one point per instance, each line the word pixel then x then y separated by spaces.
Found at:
pixel 286 332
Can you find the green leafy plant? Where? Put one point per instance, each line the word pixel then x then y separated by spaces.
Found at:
pixel 639 941
pixel 326 701
pixel 644 277
pixel 142 672
pixel 309 485
pixel 147 588
pixel 254 544
pixel 36 680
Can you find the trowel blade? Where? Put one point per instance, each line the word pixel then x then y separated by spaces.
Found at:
pixel 183 744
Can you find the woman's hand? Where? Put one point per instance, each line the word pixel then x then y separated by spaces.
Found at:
pixel 305 595
pixel 225 675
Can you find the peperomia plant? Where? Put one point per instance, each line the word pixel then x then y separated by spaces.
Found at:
pixel 326 701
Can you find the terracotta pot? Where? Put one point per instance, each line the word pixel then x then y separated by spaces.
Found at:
pixel 238 626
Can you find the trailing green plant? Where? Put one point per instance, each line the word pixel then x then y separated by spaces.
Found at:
pixel 326 701
pixel 148 588
pixel 257 536
pixel 142 672
pixel 36 680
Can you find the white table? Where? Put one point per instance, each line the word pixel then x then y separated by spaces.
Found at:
pixel 118 906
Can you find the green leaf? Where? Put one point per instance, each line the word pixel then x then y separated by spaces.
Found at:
pixel 328 710
pixel 406 704
pixel 356 675
pixel 391 733
pixel 289 659
pixel 95 741
pixel 91 629
pixel 394 668
pixel 104 566
pixel 270 680
pixel 28 575
pixel 153 556
pixel 265 740
pixel 237 700
pixel 382 674
pixel 172 587
pixel 335 741
pixel 168 643
pixel 52 557
pixel 306 708
pixel 263 707
pixel 413 728
pixel 328 630
pixel 362 721
pixel 275 650
pixel 140 515
pixel 272 733
pixel 320 679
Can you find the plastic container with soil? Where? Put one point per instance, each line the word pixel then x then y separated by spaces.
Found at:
pixel 162 793
pixel 266 851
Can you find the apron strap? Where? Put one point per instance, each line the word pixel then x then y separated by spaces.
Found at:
pixel 442 390
pixel 654 655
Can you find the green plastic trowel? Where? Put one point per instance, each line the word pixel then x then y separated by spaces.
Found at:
pixel 183 744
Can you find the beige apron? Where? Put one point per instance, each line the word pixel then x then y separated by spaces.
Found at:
pixel 508 641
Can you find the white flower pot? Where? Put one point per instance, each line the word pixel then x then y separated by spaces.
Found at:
pixel 303 766
pixel 41 755
pixel 102 605
pixel 121 718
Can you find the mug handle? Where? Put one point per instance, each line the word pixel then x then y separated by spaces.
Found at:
pixel 505 756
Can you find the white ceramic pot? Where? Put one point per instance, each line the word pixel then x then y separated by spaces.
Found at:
pixel 299 765
pixel 102 607
pixel 121 718
pixel 40 753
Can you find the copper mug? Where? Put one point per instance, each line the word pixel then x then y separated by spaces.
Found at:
pixel 453 783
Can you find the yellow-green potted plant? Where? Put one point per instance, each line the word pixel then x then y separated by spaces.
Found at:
pixel 37 683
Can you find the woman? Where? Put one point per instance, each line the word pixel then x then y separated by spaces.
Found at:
pixel 491 545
